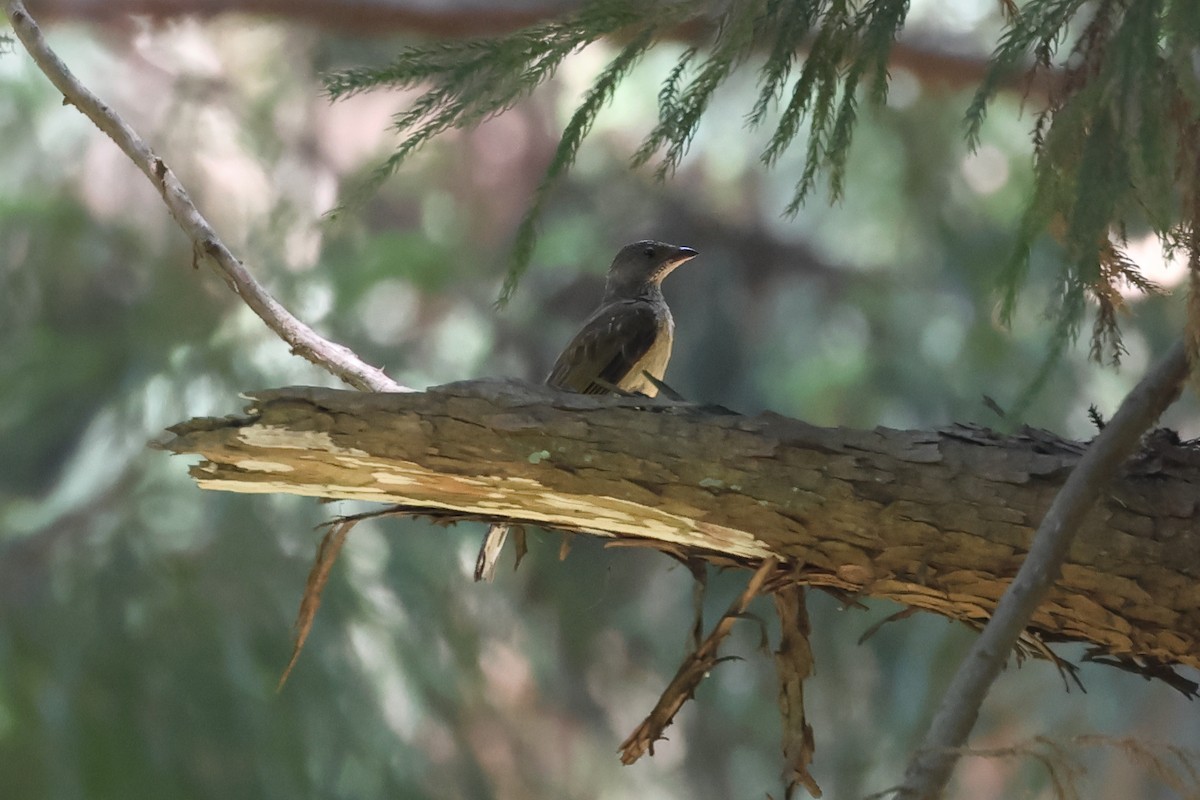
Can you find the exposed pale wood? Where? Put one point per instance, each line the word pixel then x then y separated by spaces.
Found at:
pixel 939 520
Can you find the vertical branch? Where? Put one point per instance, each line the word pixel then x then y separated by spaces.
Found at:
pixel 930 767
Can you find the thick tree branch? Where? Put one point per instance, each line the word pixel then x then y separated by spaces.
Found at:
pixel 305 342
pixel 930 768
pixel 938 520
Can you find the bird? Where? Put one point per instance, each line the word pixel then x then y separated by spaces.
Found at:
pixel 623 347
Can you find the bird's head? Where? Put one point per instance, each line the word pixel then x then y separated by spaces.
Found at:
pixel 643 265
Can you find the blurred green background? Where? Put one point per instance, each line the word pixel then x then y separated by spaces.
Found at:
pixel 144 623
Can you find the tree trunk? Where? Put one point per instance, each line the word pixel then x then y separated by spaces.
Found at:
pixel 939 520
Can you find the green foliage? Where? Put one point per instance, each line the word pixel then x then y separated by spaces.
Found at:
pixel 1115 147
pixel 471 80
pixel 478 78
pixel 680 111
pixel 568 147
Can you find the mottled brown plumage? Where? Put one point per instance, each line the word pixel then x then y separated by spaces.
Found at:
pixel 632 330
pixel 627 337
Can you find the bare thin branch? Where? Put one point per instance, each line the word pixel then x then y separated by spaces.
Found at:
pixel 337 359
pixel 692 671
pixel 931 765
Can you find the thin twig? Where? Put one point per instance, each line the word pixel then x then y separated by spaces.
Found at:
pixel 337 359
pixel 691 672
pixel 930 767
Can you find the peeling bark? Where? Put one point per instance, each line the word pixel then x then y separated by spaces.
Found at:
pixel 938 520
pixel 794 665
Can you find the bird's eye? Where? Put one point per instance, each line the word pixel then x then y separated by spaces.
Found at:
pixel 648 252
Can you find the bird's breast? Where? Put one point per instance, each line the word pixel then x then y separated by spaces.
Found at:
pixel 654 360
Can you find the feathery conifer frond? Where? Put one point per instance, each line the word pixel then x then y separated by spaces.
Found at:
pixel 877 26
pixel 568 147
pixel 1117 147
pixel 1117 270
pixel 668 103
pixel 680 116
pixel 468 81
pixel 1066 308
pixel 1037 27
pixel 792 22
pixel 474 79
pixel 1114 150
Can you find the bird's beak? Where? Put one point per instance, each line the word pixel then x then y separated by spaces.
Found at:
pixel 681 255
pixel 684 254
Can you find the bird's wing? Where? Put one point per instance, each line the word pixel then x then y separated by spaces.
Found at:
pixel 611 343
